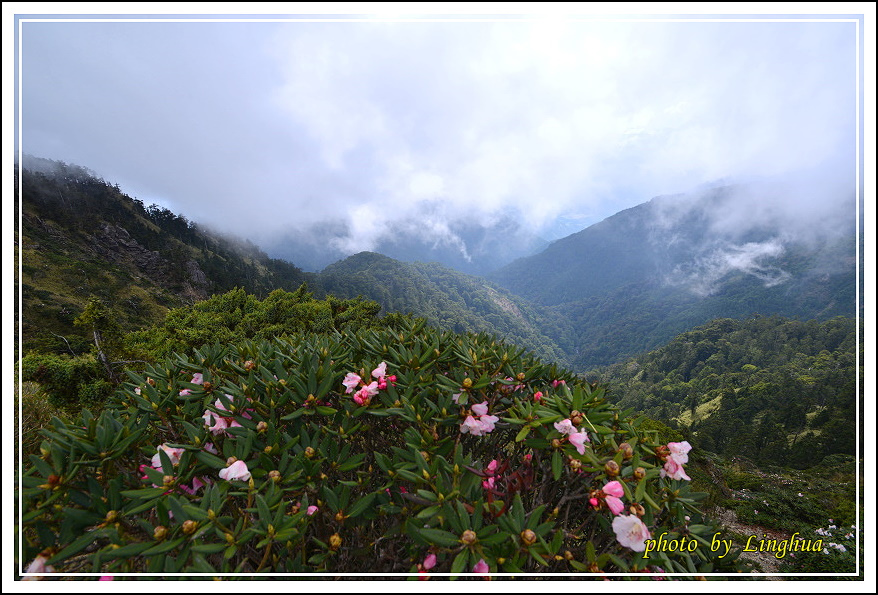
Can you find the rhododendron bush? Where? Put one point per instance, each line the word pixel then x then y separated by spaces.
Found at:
pixel 406 451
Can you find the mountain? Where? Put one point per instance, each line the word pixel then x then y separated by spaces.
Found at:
pixel 469 247
pixel 633 281
pixel 774 390
pixel 444 297
pixel 81 237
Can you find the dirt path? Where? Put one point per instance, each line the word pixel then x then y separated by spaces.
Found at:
pixel 767 561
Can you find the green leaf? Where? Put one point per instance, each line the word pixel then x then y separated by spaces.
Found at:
pixel 361 505
pixel 459 563
pixel 557 465
pixel 439 537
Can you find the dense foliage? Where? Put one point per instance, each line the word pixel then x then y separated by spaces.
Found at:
pixel 445 298
pixel 380 451
pixel 777 391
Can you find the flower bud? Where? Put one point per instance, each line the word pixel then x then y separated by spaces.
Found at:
pixel 207 386
pixel 528 537
pixel 612 468
pixel 639 473
pixel 160 533
pixel 335 541
pixel 467 383
pixel 230 539
pixel 626 450
pixel 267 450
pixel 637 509
pixel 568 555
pixel 468 537
pixel 556 443
pixel 593 567
pixel 261 426
pixel 575 417
pixel 575 464
pixel 190 526
pixel 274 475
pixel 230 461
pixel 150 381
pixel 309 452
pixel 168 480
pixel 520 376
pixel 339 517
pixel 662 452
pixel 249 365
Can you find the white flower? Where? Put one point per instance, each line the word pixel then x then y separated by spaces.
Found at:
pixel 631 532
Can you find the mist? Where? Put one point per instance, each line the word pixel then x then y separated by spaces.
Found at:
pixel 339 137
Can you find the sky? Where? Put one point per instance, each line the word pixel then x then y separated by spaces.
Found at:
pixel 366 127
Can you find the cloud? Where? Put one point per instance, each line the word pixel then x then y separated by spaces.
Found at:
pixel 267 129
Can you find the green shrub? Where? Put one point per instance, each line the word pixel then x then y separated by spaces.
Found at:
pixel 61 376
pixel 383 451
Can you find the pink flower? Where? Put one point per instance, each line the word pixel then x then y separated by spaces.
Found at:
pixel 429 562
pixel 173 454
pixel 185 392
pixel 488 484
pixel 538 396
pixel 197 484
pixel 674 470
pixel 380 371
pixel 197 378
pixel 483 425
pixel 237 470
pixel 481 566
pixel 351 381
pixel 311 510
pixel 557 383
pixel 455 397
pixel 219 423
pixel 679 451
pixel 106 577
pixel 209 447
pixel 614 492
pixel 578 439
pixel 631 532
pixel 491 469
pixel 39 566
pixel 472 426
pixel 565 426
pixel 593 501
pixel 488 422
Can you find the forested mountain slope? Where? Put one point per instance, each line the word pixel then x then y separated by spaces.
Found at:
pixel 82 237
pixel 445 298
pixel 774 390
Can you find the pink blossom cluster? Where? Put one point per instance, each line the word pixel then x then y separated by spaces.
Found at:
pixel 220 422
pixel 363 395
pixel 491 474
pixel 613 493
pixel 197 378
pixel 577 439
pixel 679 456
pixel 479 423
pixel 174 455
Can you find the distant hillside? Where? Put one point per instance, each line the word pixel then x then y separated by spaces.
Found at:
pixel 774 390
pixel 633 281
pixel 82 237
pixel 444 297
